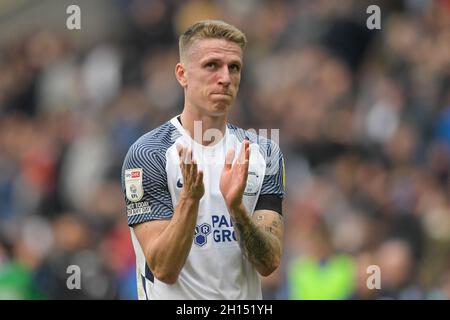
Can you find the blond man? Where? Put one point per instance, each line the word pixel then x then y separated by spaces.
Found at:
pixel 204 197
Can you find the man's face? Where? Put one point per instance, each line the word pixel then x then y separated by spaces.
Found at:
pixel 212 72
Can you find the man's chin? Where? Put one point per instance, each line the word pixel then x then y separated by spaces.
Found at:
pixel 219 109
pixel 215 109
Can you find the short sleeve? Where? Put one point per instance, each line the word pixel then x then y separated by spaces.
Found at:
pixel 144 184
pixel 274 178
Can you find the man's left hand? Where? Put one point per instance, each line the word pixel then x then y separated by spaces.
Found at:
pixel 234 176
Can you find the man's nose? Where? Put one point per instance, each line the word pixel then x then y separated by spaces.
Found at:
pixel 224 78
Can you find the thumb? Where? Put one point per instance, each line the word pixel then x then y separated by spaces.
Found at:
pixel 229 159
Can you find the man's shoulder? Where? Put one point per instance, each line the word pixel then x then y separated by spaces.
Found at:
pixel 264 137
pixel 153 143
pixel 158 139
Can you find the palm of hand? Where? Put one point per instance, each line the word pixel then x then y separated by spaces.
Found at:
pixel 234 177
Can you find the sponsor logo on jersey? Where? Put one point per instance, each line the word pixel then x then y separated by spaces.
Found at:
pixel 221 229
pixel 133 184
pixel 135 174
pixel 201 234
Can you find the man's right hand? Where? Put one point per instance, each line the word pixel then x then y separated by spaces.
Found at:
pixel 166 243
pixel 193 186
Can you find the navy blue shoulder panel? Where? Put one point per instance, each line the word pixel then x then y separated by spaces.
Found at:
pixel 149 153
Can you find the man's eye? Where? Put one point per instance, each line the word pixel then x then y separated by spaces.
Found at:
pixel 234 68
pixel 211 65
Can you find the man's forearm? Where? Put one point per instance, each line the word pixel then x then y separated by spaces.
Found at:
pixel 261 247
pixel 172 247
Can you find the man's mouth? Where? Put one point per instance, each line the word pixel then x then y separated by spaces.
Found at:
pixel 222 93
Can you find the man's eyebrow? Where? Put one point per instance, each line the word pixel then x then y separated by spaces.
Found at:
pixel 238 62
pixel 210 59
pixel 216 59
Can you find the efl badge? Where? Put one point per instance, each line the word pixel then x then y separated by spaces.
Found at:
pixel 133 184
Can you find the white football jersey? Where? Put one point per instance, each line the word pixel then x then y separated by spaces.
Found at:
pixel 152 181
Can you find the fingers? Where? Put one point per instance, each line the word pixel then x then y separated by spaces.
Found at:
pixel 244 154
pixel 179 149
pixel 229 159
pixel 181 154
pixel 244 161
pixel 184 154
pixel 247 152
pixel 188 164
pixel 199 179
pixel 192 177
pixel 188 159
pixel 247 155
pixel 193 169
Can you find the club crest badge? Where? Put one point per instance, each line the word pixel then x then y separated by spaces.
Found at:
pixel 133 184
pixel 251 188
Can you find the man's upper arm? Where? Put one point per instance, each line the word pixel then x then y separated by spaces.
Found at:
pixel 270 221
pixel 268 212
pixel 144 183
pixel 273 186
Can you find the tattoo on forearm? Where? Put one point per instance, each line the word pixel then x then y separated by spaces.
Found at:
pixel 260 243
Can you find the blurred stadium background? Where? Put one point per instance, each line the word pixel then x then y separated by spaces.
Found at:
pixel 364 119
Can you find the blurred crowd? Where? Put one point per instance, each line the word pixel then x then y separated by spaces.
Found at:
pixel 364 119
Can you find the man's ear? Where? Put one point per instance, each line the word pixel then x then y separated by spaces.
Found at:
pixel 180 74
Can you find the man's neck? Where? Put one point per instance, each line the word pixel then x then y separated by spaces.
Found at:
pixel 204 129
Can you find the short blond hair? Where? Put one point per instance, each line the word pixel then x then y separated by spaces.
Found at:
pixel 207 29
